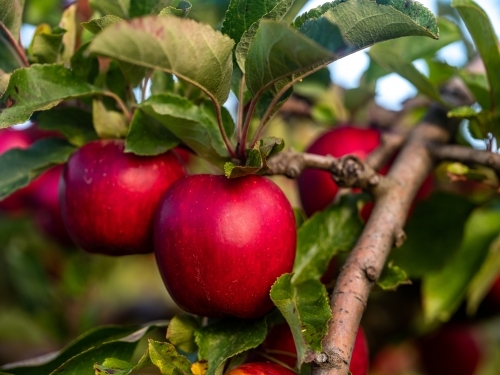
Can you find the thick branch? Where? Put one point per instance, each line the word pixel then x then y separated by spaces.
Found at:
pixel 466 155
pixel 390 142
pixel 347 171
pixel 383 230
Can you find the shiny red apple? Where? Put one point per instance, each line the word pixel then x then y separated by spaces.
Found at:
pixel 452 349
pixel 221 243
pixel 10 139
pixel 260 368
pixel 108 197
pixel 279 344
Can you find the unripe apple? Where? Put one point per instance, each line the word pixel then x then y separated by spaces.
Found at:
pixel 280 345
pixel 108 197
pixel 260 368
pixel 452 349
pixel 10 139
pixel 221 243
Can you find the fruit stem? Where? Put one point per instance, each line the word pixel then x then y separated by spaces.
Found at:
pixel 120 103
pixel 229 147
pixel 241 105
pixel 246 126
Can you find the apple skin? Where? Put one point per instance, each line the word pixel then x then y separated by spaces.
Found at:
pixel 221 243
pixel 260 368
pixel 10 139
pixel 280 339
pixel 452 349
pixel 108 197
pixel 317 188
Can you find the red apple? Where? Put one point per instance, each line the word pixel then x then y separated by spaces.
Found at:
pixel 46 205
pixel 280 345
pixel 221 243
pixel 260 368
pixel 108 197
pixel 452 349
pixel 317 188
pixel 10 139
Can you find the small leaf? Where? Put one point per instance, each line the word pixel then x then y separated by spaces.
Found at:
pixel 118 367
pixel 486 42
pixel 190 50
pixel 118 8
pixel 95 26
pixel 199 368
pixel 165 357
pixel 323 235
pixel 443 291
pixel 11 15
pixel 479 86
pixel 226 338
pixel 181 10
pixel 181 331
pixel 4 81
pixel 392 276
pixel 11 59
pixel 74 123
pixel 306 308
pixel 108 123
pixel 434 233
pixel 148 136
pixel 37 88
pixel 485 278
pixel 69 24
pixel 440 72
pixel 46 44
pixel 19 167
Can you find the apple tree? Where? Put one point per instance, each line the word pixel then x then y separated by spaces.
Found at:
pixel 132 159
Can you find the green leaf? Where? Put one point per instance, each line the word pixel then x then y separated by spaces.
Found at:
pixel 37 88
pixel 485 278
pixel 74 123
pixel 69 24
pixel 256 161
pixel 306 308
pixel 165 357
pixel 181 330
pixel 192 51
pixel 434 233
pixel 95 26
pixel 119 367
pixel 162 82
pixel 85 67
pixel 479 86
pixel 11 15
pixel 4 81
pixel 486 42
pixel 118 8
pixel 91 339
pixel 107 122
pixel 188 123
pixel 323 235
pixel 485 121
pixel 440 72
pixel 46 44
pixel 140 8
pixel 19 167
pixel 226 338
pixel 11 59
pixel 148 136
pixel 443 291
pixel 182 10
pixel 392 276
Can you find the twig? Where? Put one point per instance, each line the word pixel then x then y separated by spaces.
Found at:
pixel 466 155
pixel 390 142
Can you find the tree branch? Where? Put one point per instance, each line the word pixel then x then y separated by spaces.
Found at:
pixel 466 155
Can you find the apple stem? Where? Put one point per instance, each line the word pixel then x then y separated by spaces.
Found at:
pixel 120 104
pixel 241 105
pixel 227 142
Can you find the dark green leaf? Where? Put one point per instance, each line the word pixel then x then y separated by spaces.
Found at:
pixel 37 88
pixel 479 86
pixel 83 66
pixel 226 338
pixel 165 357
pixel 181 331
pixel 444 290
pixel 323 235
pixel 11 15
pixel 434 233
pixel 11 59
pixel 74 123
pixel 182 9
pixel 148 136
pixel 46 46
pixel 19 167
pixel 140 8
pixel 440 72
pixel 486 42
pixel 190 50
pixel 189 124
pixel 97 25
pixel 118 8
pixel 93 338
pixel 306 308
pixel 392 276
pixel 359 97
pixel 485 278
